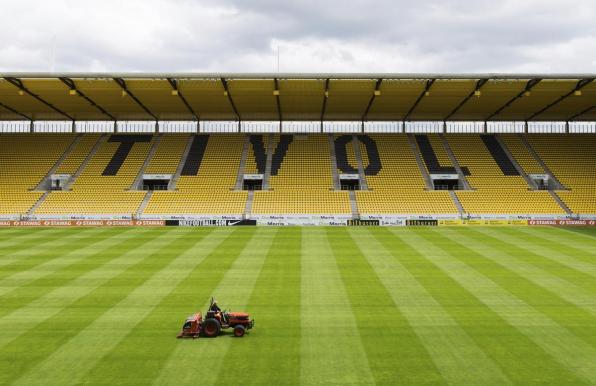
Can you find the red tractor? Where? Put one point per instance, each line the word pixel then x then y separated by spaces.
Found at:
pixel 215 321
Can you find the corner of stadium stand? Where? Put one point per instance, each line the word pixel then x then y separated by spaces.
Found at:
pixel 305 149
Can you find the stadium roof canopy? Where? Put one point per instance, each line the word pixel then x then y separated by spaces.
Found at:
pixel 292 97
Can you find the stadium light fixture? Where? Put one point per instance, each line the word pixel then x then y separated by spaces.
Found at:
pixel 174 93
pixel 124 93
pixel 427 93
pixel 577 93
pixel 72 92
pixel 276 92
pixel 477 93
pixel 377 92
pixel 21 92
pixel 527 93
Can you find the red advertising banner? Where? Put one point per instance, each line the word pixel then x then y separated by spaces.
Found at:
pixel 83 223
pixel 582 223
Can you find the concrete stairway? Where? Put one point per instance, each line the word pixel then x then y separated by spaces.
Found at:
pixel 176 176
pixel 248 207
pixel 558 185
pixel 516 165
pixel 361 175
pixel 86 161
pixel 354 205
pixel 268 164
pixel 457 203
pixel 136 185
pixel 144 203
pixel 242 166
pixel 418 157
pixel 43 197
pixel 563 206
pixel 334 173
pixel 455 163
pixel 44 183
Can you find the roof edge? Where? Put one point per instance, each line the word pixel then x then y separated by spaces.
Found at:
pixel 256 75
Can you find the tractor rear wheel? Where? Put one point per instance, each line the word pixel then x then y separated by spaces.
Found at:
pixel 239 331
pixel 211 327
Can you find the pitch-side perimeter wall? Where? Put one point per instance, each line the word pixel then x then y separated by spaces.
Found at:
pixel 307 220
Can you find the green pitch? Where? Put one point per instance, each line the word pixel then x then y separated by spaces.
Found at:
pixel 386 306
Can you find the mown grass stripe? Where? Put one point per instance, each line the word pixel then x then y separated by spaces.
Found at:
pixel 131 351
pixel 327 351
pixel 22 250
pixel 550 255
pixel 155 277
pixel 271 352
pixel 586 232
pixel 234 291
pixel 403 266
pixel 396 355
pixel 577 320
pixel 492 248
pixel 66 321
pixel 457 356
pixel 564 236
pixel 190 296
pixel 29 234
pixel 23 287
pixel 35 313
pixel 8 233
pixel 487 283
pixel 55 259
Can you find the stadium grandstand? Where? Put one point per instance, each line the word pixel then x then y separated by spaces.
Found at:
pixel 297 149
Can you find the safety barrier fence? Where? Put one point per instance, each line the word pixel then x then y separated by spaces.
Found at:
pixel 579 127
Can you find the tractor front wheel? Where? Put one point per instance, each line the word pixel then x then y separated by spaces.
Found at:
pixel 239 331
pixel 211 327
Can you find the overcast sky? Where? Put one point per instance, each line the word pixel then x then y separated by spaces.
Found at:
pixel 312 35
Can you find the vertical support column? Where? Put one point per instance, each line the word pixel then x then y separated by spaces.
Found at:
pixel 31 127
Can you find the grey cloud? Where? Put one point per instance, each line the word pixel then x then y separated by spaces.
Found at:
pixel 349 35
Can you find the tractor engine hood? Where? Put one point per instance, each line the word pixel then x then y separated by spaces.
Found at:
pixel 238 315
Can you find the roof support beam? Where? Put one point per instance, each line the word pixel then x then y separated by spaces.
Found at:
pixel 174 84
pixel 72 85
pixel 531 83
pixel 19 84
pixel 15 111
pixel 372 99
pixel 580 84
pixel 424 92
pixel 325 97
pixel 479 84
pixel 277 99
pixel 122 84
pixel 224 82
pixel 585 111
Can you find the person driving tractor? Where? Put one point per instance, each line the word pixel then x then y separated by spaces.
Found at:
pixel 214 307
